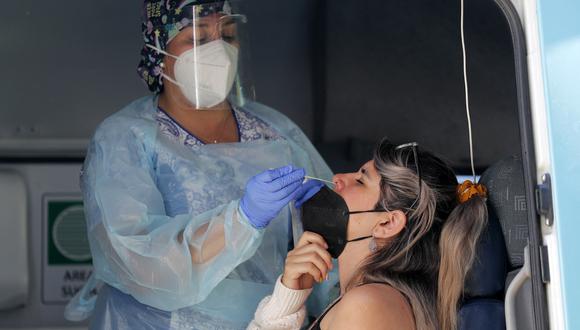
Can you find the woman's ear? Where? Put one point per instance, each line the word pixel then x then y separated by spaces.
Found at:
pixel 391 225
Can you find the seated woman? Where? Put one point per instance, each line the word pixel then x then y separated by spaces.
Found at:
pixel 409 244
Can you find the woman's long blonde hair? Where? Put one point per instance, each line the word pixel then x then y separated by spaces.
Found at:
pixel 429 260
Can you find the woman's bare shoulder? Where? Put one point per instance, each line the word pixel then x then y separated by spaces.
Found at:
pixel 372 306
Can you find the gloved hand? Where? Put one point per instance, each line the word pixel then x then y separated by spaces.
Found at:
pixel 306 191
pixel 268 192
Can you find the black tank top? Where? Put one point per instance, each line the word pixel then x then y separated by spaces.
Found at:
pixel 316 324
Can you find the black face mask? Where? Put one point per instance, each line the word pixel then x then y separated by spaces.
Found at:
pixel 327 214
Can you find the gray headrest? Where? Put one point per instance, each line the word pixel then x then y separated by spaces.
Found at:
pixel 507 201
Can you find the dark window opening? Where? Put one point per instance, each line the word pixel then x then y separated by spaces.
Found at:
pixel 394 69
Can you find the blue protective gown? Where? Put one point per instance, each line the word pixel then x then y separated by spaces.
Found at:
pixel 153 204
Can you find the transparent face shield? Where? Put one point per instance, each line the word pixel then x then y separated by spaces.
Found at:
pixel 206 57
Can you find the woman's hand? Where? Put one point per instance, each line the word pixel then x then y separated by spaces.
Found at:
pixel 308 262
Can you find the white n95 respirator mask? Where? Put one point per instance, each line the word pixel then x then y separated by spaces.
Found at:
pixel 206 73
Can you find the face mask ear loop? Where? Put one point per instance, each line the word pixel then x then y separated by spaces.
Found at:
pixel 364 237
pixel 171 79
pixel 368 211
pixel 360 238
pixel 161 51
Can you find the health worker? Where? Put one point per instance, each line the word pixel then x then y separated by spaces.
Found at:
pixel 187 191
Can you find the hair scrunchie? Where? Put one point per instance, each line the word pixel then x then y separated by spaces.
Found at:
pixel 468 189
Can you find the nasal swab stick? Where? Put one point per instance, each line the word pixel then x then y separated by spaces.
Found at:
pixel 313 178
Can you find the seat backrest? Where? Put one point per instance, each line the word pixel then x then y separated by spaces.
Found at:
pixel 500 248
pixel 507 202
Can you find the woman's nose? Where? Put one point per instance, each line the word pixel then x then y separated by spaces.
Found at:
pixel 338 182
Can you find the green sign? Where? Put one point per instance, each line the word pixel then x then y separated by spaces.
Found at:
pixel 67 233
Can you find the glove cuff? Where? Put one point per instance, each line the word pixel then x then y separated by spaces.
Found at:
pixel 246 218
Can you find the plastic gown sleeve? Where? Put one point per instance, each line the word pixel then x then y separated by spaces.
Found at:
pixel 165 262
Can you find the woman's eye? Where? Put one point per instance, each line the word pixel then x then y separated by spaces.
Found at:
pixel 359 181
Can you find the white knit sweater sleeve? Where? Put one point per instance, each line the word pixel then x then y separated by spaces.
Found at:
pixel 284 310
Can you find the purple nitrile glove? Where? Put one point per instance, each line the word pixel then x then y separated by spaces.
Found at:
pixel 306 191
pixel 268 192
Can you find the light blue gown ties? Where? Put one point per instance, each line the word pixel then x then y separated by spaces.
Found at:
pixel 150 199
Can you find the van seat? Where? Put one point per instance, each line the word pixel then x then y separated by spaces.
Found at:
pixel 507 202
pixel 501 247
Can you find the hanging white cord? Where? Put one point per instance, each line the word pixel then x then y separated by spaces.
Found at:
pixel 467 90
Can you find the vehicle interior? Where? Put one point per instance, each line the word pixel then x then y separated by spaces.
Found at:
pixel 380 60
pixel 348 72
